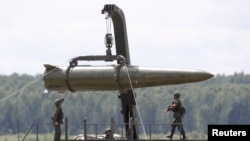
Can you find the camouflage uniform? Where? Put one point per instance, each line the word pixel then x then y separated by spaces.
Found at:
pixel 177 121
pixel 58 118
pixel 109 135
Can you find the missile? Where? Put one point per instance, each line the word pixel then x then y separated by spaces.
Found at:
pixel 116 77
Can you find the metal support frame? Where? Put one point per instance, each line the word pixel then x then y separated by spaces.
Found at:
pixel 122 48
pixel 123 57
pixel 129 114
pixel 121 39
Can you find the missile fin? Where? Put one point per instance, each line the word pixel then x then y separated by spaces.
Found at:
pixel 50 67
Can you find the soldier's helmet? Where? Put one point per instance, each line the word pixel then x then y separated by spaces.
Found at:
pixel 177 94
pixel 107 130
pixel 57 102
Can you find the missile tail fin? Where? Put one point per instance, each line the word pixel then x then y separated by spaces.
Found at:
pixel 50 67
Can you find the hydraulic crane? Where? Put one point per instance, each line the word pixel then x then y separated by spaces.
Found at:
pixel 122 48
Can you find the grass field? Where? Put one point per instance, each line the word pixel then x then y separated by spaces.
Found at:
pixel 30 137
pixel 49 137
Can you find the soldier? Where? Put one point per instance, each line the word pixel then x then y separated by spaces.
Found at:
pixel 109 134
pixel 177 121
pixel 58 118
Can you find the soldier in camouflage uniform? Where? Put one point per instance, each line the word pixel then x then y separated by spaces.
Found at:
pixel 177 121
pixel 108 134
pixel 58 118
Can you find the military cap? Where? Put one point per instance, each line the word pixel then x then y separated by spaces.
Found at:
pixel 107 130
pixel 177 94
pixel 58 101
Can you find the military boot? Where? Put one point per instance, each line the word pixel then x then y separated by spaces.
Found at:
pixel 183 134
pixel 170 136
pixel 183 137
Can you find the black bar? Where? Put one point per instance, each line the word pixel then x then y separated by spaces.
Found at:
pixel 235 132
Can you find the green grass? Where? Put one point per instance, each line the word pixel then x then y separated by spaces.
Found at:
pixel 49 137
pixel 30 137
pixel 190 136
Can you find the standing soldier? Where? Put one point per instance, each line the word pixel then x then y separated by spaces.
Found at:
pixel 58 118
pixel 175 107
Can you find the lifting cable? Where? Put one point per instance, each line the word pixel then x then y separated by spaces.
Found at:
pixel 16 92
pixel 30 83
pixel 135 100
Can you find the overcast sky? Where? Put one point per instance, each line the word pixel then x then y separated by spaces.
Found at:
pixel 210 35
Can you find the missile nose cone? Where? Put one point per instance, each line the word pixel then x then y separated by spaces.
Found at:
pixel 207 75
pixel 188 76
pixel 203 75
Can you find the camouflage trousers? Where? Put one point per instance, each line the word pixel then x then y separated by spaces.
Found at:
pixel 177 122
pixel 57 135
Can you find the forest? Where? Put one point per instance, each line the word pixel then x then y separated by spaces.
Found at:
pixel 223 99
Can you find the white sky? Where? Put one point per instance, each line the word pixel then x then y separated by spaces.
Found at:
pixel 211 35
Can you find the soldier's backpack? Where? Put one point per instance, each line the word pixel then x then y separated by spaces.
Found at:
pixel 182 110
